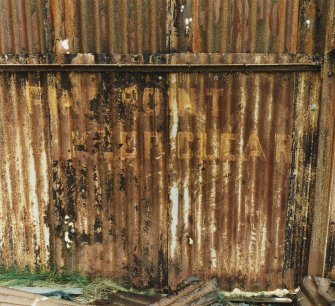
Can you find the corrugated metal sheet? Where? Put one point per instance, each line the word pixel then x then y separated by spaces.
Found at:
pixel 104 160
pixel 230 158
pixel 25 171
pixel 101 26
pixel 157 175
pixel 151 26
pixel 109 174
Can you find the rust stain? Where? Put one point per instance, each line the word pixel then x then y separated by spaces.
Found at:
pixel 156 176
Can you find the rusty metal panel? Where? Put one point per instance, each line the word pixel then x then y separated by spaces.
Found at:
pixel 301 197
pixel 25 27
pixel 25 171
pixel 239 26
pixel 109 174
pixel 230 137
pixel 72 26
pixel 153 27
pixel 155 176
pixel 110 26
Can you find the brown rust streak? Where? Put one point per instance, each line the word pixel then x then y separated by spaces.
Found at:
pixel 124 29
pixel 153 26
pixel 195 26
pixel 280 46
pixel 237 26
pixel 110 26
pixel 138 27
pixel 292 24
pixel 6 180
pixel 96 26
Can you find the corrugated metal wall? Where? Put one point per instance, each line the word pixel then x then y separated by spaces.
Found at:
pixel 154 176
pixel 230 159
pixel 151 26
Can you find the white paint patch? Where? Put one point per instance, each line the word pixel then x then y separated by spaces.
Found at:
pixel 214 260
pixel 174 193
pixel 33 188
pixel 46 200
pixel 186 203
pixel 65 44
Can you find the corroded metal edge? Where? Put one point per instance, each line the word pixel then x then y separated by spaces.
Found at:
pixel 287 67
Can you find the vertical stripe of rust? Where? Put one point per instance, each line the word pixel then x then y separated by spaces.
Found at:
pixel 81 6
pixel 293 23
pixel 138 27
pixel 27 20
pixel 282 112
pixel 162 180
pixel 55 18
pixel 43 169
pixel 237 26
pixel 97 26
pixel 133 198
pixel 225 26
pixel 266 134
pixel 280 46
pixel 21 28
pixel 41 28
pixel 18 181
pixel 198 210
pixel 70 29
pixel 4 196
pixel 10 28
pixel 153 25
pixel 195 26
pixel 124 29
pixel 266 39
pixel 17 28
pixel 82 161
pixel 252 197
pixel 10 229
pixel 210 26
pixel 185 179
pixel 252 27
pixel 306 26
pixel 110 26
pixel 53 218
pixel 17 176
pixel 227 186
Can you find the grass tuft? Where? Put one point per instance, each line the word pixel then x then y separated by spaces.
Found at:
pixel 94 288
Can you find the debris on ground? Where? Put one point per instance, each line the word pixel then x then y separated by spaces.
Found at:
pixel 128 299
pixel 278 296
pixel 56 293
pixel 316 291
pixel 193 292
pixel 17 297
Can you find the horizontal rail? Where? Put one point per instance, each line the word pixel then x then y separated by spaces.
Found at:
pixel 164 68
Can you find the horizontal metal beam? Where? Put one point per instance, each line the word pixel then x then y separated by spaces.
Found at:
pixel 163 68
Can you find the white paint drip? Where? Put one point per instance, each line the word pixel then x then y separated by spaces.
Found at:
pixel 174 216
pixel 186 203
pixel 46 200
